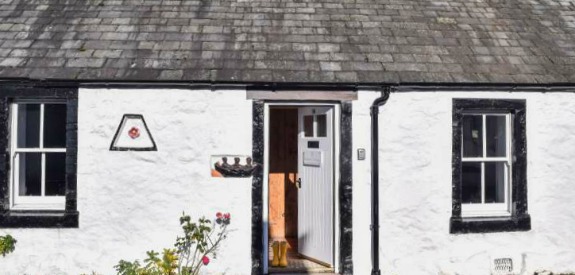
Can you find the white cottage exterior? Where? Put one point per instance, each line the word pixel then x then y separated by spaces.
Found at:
pixel 372 136
pixel 129 202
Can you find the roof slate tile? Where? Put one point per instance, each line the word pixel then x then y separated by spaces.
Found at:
pixel 321 41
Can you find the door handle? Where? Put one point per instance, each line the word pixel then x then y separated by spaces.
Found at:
pixel 298 183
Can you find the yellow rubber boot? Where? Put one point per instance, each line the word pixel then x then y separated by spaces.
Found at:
pixel 283 252
pixel 276 251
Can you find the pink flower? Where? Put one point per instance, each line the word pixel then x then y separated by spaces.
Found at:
pixel 219 215
pixel 227 216
pixel 134 132
pixel 205 260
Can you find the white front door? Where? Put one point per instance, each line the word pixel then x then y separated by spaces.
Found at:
pixel 315 195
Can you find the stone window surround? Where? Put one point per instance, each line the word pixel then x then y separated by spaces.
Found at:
pixel 67 218
pixel 519 219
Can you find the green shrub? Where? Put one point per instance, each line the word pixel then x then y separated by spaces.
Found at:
pixel 7 245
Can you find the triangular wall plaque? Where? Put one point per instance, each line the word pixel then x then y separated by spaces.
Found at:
pixel 133 135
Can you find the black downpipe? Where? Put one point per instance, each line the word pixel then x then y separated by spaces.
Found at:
pixel 375 180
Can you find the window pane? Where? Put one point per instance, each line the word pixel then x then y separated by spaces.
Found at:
pixel 308 126
pixel 29 177
pixel 28 125
pixel 494 182
pixel 55 174
pixel 472 136
pixel 471 182
pixel 321 125
pixel 496 138
pixel 55 125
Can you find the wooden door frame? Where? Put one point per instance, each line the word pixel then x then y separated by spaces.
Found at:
pixel 343 177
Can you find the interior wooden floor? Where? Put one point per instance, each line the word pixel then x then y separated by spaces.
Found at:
pixel 298 265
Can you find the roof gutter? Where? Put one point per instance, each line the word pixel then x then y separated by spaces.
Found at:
pixel 378 102
pixel 400 87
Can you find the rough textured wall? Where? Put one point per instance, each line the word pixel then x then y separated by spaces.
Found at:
pixel 130 202
pixel 415 188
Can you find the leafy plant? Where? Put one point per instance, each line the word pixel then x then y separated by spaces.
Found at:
pixel 201 240
pixel 7 245
pixel 153 264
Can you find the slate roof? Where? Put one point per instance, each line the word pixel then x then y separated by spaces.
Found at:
pixel 424 41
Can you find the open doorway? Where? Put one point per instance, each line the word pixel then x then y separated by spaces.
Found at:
pixel 301 189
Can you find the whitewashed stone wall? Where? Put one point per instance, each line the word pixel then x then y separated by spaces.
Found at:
pixel 415 188
pixel 130 202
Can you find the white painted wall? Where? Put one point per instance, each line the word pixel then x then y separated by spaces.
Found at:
pixel 130 202
pixel 415 188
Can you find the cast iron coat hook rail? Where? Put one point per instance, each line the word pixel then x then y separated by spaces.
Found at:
pixel 378 102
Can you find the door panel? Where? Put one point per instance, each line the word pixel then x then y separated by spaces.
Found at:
pixel 315 195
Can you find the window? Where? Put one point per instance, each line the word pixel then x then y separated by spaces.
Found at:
pixel 485 164
pixel 489 166
pixel 320 125
pixel 38 155
pixel 38 176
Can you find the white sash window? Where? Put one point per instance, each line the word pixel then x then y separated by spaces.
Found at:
pixel 486 164
pixel 38 155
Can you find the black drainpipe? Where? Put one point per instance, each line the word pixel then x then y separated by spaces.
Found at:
pixel 375 179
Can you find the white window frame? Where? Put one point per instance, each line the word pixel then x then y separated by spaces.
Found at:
pixel 41 202
pixel 491 209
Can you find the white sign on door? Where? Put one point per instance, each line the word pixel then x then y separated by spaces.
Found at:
pixel 312 158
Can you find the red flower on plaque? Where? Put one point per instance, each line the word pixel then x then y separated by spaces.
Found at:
pixel 134 133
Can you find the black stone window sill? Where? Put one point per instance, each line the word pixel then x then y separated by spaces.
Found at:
pixel 460 225
pixel 39 219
